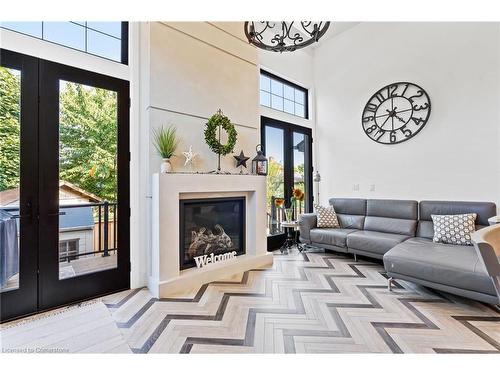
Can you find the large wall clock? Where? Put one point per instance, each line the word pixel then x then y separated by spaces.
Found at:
pixel 396 113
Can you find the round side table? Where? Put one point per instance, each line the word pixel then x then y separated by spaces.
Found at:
pixel 290 228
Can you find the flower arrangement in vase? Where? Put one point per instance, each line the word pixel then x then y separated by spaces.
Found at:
pixel 297 197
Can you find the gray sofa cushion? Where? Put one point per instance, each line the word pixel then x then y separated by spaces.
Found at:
pixel 395 208
pixel 484 210
pixel 391 216
pixel 306 223
pixel 351 206
pixel 390 225
pixel 350 212
pixel 330 236
pixel 453 265
pixel 374 242
pixel 351 221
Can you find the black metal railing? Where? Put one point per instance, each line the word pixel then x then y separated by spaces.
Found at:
pixel 105 244
pixel 104 215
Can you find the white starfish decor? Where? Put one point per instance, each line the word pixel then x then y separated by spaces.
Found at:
pixel 189 155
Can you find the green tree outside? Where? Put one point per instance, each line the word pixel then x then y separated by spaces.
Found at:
pixel 88 138
pixel 10 97
pixel 87 131
pixel 275 184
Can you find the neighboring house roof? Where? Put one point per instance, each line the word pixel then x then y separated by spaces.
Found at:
pixel 9 196
pixel 73 218
pixel 75 190
pixel 12 195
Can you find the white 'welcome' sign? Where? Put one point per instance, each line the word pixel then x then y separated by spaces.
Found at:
pixel 203 260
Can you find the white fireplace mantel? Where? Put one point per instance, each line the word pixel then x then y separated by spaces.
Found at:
pixel 166 279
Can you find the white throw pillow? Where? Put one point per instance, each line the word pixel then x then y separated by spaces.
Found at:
pixel 454 229
pixel 327 218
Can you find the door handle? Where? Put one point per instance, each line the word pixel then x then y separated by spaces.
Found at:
pixel 57 213
pixel 29 211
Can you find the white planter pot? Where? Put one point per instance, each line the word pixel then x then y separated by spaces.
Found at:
pixel 166 166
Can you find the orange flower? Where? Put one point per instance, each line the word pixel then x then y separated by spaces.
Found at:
pixel 301 197
pixel 279 202
pixel 297 193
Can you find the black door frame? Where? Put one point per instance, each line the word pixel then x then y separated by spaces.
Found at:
pixel 40 288
pixel 24 299
pixel 274 242
pixel 90 285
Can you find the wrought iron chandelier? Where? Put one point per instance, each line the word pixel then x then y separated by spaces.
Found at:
pixel 284 36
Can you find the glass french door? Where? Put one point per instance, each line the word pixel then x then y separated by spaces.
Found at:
pixel 72 218
pixel 18 184
pixel 288 148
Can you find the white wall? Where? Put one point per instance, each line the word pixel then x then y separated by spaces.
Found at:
pixel 456 156
pixel 188 70
pixel 195 69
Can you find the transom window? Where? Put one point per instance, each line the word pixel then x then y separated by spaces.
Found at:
pixel 282 95
pixel 104 39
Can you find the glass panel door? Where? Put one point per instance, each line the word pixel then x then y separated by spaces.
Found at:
pixel 301 173
pixel 10 157
pixel 64 184
pixel 87 179
pixel 289 180
pixel 275 153
pixel 18 170
pixel 84 150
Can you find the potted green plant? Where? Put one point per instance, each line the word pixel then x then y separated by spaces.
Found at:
pixel 165 142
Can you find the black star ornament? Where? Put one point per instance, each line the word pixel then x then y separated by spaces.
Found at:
pixel 241 159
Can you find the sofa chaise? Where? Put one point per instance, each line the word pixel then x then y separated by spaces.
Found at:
pixel 400 232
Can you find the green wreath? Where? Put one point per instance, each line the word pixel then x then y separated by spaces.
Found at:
pixel 211 134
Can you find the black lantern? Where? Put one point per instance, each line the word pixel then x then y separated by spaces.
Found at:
pixel 259 162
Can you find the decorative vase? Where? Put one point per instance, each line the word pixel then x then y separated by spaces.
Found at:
pixel 289 214
pixel 166 166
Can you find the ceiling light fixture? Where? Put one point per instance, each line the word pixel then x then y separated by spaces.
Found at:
pixel 284 36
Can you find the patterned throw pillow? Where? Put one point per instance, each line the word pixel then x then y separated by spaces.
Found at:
pixel 454 229
pixel 327 218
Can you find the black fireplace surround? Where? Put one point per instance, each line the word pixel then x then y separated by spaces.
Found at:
pixel 210 225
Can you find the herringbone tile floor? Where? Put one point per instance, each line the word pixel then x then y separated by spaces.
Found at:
pixel 306 303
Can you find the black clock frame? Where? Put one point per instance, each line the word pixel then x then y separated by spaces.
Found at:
pixel 378 93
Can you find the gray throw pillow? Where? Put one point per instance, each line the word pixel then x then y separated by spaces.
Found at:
pixel 454 229
pixel 327 218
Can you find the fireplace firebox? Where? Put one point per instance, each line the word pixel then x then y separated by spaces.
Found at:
pixel 210 226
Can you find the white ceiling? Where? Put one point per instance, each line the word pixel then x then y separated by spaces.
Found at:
pixel 334 30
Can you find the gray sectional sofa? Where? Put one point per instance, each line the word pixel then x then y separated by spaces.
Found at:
pixel 400 232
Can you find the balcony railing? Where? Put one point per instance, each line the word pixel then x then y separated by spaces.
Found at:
pixel 105 231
